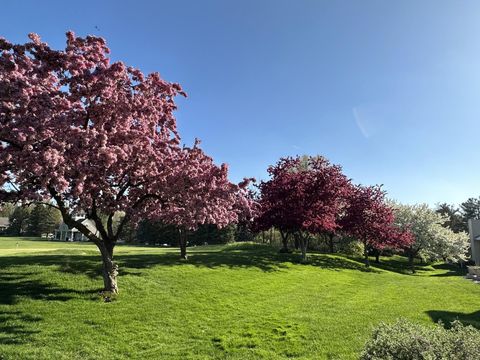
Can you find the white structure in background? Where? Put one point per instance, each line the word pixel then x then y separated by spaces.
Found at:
pixel 64 233
pixel 4 223
pixel 474 230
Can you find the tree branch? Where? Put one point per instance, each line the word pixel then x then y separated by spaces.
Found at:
pixel 98 221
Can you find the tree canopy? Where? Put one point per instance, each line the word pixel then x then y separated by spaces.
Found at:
pixel 303 195
pixel 370 219
pixel 431 239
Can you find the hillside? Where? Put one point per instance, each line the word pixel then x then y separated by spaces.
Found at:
pixel 239 301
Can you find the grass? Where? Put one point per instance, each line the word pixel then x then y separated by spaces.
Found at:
pixel 239 301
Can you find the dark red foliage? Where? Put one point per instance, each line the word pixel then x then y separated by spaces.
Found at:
pixel 369 219
pixel 303 195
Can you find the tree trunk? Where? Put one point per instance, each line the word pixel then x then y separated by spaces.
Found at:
pixel 183 244
pixel 376 253
pixel 304 251
pixel 365 253
pixel 284 236
pixel 331 243
pixel 297 243
pixel 411 264
pixel 303 241
pixel 110 268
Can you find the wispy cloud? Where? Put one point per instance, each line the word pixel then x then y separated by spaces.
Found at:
pixel 360 124
pixel 371 119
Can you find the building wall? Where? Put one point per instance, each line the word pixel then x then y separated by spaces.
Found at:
pixel 474 230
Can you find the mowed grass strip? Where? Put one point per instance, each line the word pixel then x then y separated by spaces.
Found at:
pixel 240 301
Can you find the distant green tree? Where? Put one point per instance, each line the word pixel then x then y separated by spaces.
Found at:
pixel 211 234
pixel 18 221
pixel 244 233
pixel 155 232
pixel 43 220
pixel 6 209
pixel 470 210
pixel 454 217
pixel 129 234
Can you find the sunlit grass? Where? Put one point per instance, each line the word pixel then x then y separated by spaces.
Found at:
pixel 225 302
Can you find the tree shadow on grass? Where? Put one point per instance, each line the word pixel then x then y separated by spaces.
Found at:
pixel 263 258
pixel 15 286
pixel 451 270
pixel 75 264
pixel 448 316
pixel 15 327
pixel 17 280
pixel 399 265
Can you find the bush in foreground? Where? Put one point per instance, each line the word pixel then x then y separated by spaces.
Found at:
pixel 404 340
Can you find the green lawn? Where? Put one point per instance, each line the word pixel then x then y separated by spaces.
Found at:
pixel 230 302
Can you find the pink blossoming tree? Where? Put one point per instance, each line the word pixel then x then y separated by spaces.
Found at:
pixel 201 193
pixel 94 137
pixel 371 220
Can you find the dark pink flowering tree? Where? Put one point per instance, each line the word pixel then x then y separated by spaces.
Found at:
pixel 304 196
pixel 202 194
pixel 370 219
pixel 273 212
pixel 94 137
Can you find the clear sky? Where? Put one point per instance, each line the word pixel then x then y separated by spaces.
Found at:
pixel 390 90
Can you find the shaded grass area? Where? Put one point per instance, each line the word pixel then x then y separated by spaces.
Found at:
pixel 241 301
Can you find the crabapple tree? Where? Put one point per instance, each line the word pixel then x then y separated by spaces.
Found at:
pixel 303 196
pixel 370 219
pixel 95 137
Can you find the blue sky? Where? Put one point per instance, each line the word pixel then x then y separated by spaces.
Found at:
pixel 390 90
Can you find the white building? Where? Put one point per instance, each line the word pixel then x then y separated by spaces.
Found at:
pixel 4 223
pixel 474 230
pixel 64 233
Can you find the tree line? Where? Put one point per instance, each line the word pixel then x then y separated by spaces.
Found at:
pixel 41 220
pixel 34 220
pixel 84 135
pixel 308 197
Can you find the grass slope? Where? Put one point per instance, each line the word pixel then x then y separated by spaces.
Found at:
pixel 230 302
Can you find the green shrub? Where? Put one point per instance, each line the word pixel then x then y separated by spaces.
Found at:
pixel 350 246
pixel 404 340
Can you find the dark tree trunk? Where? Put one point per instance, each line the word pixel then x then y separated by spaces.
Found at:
pixel 304 250
pixel 110 268
pixel 105 242
pixel 303 242
pixel 284 236
pixel 183 244
pixel 331 243
pixel 411 263
pixel 297 243
pixel 365 254
pixel 377 254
